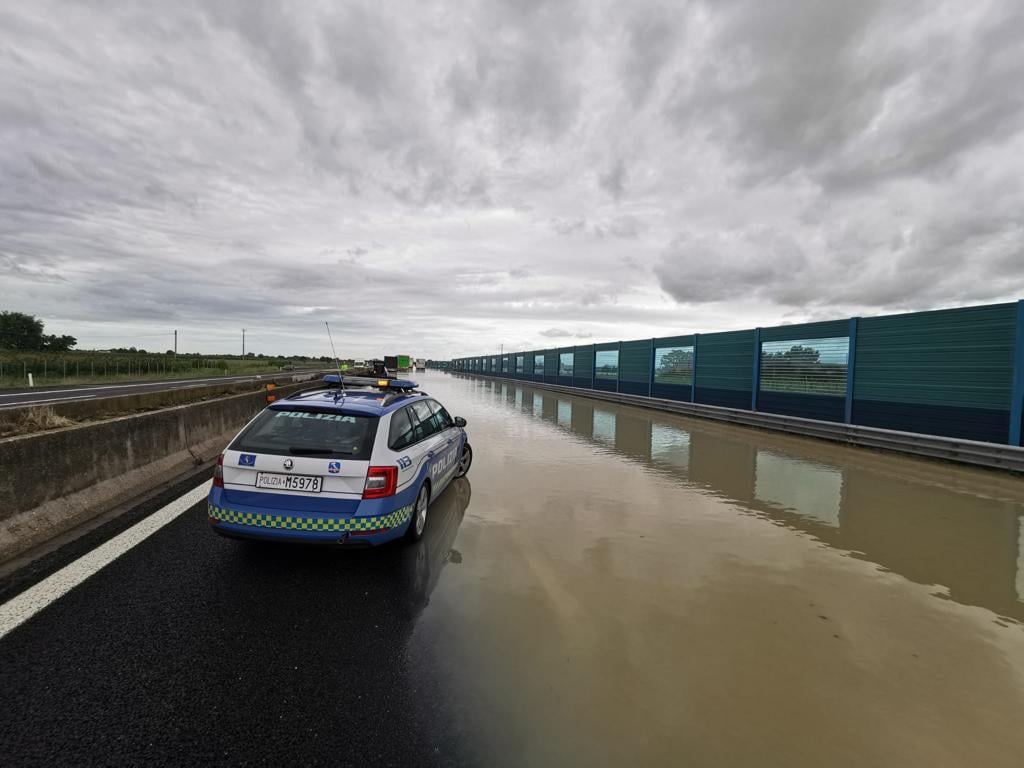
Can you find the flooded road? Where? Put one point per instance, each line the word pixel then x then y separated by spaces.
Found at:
pixel 641 588
pixel 609 586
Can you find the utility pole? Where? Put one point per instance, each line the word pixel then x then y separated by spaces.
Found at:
pixel 175 342
pixel 243 342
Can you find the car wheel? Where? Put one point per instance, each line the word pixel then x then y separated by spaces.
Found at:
pixel 418 523
pixel 464 461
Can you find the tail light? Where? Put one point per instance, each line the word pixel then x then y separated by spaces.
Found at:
pixel 380 482
pixel 218 472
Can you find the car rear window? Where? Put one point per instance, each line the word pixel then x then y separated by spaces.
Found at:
pixel 309 432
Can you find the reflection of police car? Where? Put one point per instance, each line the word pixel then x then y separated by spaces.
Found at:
pixel 355 462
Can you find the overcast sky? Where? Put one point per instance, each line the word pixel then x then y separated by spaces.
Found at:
pixel 442 178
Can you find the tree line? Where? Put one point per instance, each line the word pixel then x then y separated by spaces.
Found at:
pixel 25 333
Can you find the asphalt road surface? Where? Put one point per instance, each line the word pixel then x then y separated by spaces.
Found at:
pixel 609 586
pixel 47 395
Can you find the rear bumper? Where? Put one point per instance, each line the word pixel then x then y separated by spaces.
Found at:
pixel 380 524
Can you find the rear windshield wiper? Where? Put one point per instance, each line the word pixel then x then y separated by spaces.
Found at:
pixel 311 451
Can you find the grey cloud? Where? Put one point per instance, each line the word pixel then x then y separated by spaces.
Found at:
pixel 593 169
pixel 561 333
pixel 625 226
pixel 613 181
pixel 882 270
pixel 653 34
pixel 822 88
pixel 699 269
pixel 519 68
pixel 568 227
pixel 31 269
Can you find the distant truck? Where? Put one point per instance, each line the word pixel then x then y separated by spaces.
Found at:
pixel 396 363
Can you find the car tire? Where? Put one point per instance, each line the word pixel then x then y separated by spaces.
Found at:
pixel 418 521
pixel 465 461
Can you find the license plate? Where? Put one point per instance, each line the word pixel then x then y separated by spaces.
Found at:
pixel 306 483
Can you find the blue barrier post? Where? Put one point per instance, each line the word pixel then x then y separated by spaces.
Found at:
pixel 693 380
pixel 756 378
pixel 1017 391
pixel 618 375
pixel 851 367
pixel 650 373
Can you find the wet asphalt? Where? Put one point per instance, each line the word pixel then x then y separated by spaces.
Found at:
pixel 609 586
pixel 192 648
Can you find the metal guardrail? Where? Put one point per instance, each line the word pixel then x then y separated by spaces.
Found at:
pixel 992 455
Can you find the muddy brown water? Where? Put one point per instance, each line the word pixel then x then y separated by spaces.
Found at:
pixel 631 587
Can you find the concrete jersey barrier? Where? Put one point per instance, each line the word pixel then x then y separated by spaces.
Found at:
pixel 52 482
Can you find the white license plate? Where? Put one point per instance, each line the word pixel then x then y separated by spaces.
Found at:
pixel 305 483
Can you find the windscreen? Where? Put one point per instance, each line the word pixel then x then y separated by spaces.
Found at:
pixel 309 433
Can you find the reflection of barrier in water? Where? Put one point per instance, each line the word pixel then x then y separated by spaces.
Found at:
pixel 604 426
pixel 932 524
pixel 807 489
pixel 1020 559
pixel 670 446
pixel 564 413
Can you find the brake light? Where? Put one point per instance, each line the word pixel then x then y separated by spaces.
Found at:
pixel 380 482
pixel 218 472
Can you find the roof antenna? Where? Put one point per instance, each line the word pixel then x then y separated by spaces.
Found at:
pixel 337 362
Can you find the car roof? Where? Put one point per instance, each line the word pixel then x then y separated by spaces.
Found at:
pixel 365 402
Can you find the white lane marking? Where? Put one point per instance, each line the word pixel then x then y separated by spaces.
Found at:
pixel 93 387
pixel 46 400
pixel 23 607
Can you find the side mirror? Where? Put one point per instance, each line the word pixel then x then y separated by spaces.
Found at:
pixel 459 421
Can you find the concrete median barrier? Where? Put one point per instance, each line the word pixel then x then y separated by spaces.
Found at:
pixel 52 482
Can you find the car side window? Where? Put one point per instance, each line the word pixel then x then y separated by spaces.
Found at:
pixel 401 433
pixel 425 426
pixel 441 417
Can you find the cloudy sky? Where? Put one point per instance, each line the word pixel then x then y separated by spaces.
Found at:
pixel 442 178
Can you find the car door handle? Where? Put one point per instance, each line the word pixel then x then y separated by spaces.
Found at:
pixel 430 454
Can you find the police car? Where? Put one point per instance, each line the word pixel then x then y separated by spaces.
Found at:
pixel 355 462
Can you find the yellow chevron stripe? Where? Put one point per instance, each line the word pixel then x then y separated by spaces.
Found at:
pixel 333 524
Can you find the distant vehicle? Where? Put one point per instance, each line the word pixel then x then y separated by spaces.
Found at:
pixel 287 367
pixel 420 364
pixel 356 462
pixel 404 363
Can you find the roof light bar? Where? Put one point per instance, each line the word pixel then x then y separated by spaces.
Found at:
pixel 333 380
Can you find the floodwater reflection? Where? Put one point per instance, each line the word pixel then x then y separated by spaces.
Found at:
pixel 933 523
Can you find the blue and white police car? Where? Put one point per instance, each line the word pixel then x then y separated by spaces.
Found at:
pixel 355 462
